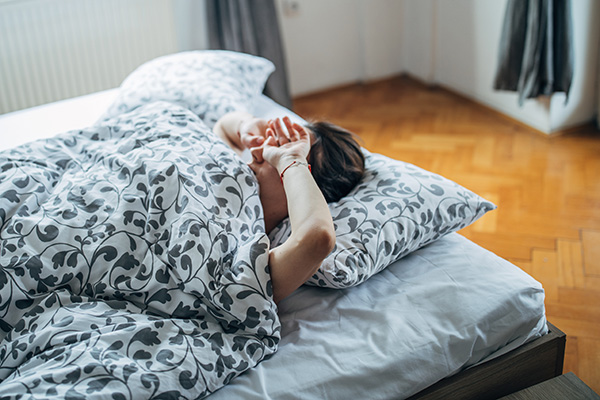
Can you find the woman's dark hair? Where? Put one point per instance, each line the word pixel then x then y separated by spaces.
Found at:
pixel 337 161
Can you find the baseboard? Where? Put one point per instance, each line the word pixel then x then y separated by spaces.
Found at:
pixel 584 126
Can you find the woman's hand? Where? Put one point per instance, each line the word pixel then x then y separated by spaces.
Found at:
pixel 281 149
pixel 253 132
pixel 241 130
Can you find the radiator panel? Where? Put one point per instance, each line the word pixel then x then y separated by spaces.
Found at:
pixel 56 49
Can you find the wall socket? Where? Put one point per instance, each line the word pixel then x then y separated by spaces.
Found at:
pixel 291 8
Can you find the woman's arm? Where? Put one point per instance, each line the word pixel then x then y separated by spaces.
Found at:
pixel 313 234
pixel 241 130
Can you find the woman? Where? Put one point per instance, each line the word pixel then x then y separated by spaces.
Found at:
pixel 282 160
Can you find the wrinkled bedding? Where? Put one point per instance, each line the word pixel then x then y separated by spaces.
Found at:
pixel 133 262
pixel 442 308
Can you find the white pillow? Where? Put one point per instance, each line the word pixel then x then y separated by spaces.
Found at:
pixel 208 82
pixel 395 209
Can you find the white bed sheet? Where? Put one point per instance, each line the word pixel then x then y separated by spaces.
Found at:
pixel 51 119
pixel 431 314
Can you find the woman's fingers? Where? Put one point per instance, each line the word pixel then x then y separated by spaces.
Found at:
pixel 252 140
pixel 281 133
pixel 271 139
pixel 292 132
pixel 302 132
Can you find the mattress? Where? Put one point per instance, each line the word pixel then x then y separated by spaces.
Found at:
pixel 443 308
pixel 439 310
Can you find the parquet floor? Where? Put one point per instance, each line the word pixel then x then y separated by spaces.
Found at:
pixel 547 189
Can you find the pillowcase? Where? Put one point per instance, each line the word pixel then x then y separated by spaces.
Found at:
pixel 210 83
pixel 395 209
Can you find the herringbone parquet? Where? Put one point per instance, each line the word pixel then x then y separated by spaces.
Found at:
pixel 547 189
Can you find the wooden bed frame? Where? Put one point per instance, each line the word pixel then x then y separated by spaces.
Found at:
pixel 532 363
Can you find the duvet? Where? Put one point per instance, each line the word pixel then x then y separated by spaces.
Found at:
pixel 133 262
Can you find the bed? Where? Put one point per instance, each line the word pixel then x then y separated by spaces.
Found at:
pixel 403 310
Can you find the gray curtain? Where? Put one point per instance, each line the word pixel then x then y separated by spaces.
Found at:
pixel 251 26
pixel 536 48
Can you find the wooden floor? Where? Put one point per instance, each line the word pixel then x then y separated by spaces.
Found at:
pixel 547 189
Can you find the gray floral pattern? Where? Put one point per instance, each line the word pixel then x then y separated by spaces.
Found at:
pixel 133 262
pixel 210 83
pixel 395 209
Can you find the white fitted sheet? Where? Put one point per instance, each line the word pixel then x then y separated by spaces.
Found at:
pixel 429 315
pixel 51 119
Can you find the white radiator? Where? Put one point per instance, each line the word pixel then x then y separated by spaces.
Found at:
pixel 56 49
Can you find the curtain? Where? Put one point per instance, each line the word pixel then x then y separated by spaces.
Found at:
pixel 250 26
pixel 536 48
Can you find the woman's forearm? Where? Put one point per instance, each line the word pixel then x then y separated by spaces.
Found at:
pixel 307 207
pixel 312 237
pixel 228 128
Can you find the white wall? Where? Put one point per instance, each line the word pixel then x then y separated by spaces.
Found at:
pixel 381 24
pixel 583 99
pixel 191 24
pixel 418 39
pixel 466 53
pixel 335 42
pixel 451 43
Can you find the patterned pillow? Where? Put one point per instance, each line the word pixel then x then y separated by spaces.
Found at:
pixel 208 82
pixel 395 209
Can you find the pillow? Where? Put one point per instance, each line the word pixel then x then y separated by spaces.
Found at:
pixel 395 209
pixel 209 82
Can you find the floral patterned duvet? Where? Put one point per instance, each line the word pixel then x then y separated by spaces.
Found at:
pixel 133 262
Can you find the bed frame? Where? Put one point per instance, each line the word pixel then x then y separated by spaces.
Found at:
pixel 532 363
